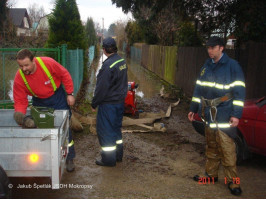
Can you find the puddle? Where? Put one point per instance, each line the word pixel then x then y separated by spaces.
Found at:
pixel 92 79
pixel 149 85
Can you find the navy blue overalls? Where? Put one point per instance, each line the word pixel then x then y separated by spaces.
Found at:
pixel 109 123
pixel 109 96
pixel 58 102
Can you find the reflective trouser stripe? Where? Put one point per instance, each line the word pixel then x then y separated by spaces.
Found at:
pixel 238 103
pixel 71 143
pixel 109 148
pixel 119 141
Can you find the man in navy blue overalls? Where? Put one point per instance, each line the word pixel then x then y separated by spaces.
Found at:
pixel 109 97
pixel 42 78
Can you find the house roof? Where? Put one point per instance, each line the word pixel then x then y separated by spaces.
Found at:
pixel 17 15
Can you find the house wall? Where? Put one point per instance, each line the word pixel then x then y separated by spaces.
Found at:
pixel 23 32
pixel 26 23
pixel 43 26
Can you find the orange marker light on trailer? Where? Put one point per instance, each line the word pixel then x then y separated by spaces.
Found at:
pixel 34 157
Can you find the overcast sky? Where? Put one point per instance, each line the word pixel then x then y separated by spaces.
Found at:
pixel 97 9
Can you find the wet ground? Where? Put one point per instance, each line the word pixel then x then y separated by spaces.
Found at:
pixel 155 165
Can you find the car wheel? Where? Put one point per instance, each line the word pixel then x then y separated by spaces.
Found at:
pixel 239 149
pixel 199 127
pixel 5 191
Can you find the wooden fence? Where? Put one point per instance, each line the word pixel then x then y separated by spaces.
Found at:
pixel 251 59
pixel 181 66
pixel 161 60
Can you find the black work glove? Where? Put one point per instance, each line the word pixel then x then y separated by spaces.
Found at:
pixel 28 122
pixel 18 116
pixel 24 121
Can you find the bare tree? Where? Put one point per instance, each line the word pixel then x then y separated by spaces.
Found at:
pixel 166 24
pixel 120 33
pixel 97 27
pixel 11 3
pixel 35 12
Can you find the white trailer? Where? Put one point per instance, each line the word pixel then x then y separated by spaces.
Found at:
pixel 34 152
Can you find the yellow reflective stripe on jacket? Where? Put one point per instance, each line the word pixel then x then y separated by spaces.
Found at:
pixel 195 99
pixel 71 143
pixel 220 86
pixel 116 62
pixel 47 72
pixel 109 148
pixel 26 82
pixel 238 103
pixel 205 83
pixel 220 125
pixel 238 83
pixel 119 141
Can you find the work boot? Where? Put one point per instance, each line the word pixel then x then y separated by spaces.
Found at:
pixel 70 166
pixel 101 163
pixel 199 178
pixel 119 152
pixel 234 189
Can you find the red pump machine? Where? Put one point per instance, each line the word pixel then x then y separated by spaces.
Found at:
pixel 130 101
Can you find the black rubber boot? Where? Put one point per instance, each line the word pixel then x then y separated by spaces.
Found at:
pixel 101 163
pixel 70 166
pixel 119 152
pixel 235 191
pixel 108 158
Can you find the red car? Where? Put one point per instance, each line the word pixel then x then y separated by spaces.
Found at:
pixel 251 129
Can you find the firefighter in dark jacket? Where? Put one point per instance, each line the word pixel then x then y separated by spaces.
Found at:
pixel 219 99
pixel 109 96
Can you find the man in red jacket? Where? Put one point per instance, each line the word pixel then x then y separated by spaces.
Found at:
pixel 42 78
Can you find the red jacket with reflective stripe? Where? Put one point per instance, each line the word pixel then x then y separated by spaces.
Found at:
pixel 40 83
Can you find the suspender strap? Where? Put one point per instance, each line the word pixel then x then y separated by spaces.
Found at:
pixel 217 101
pixel 47 72
pixel 213 103
pixel 26 83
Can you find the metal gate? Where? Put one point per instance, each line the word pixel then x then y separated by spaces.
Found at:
pixel 9 67
pixel 72 60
